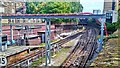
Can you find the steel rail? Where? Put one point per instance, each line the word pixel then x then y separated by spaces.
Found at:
pixel 77 49
pixel 75 57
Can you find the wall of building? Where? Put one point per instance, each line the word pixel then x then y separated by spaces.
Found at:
pixel 11 7
pixel 110 5
pixel 1 9
pixel 2 6
pixel 107 5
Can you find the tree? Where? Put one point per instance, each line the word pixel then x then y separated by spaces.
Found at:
pixel 54 7
pixel 76 7
pixel 31 8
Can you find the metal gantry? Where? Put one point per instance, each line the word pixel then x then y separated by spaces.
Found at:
pixel 102 34
pixel 47 31
pixel 47 42
pixel 48 16
pixel 0 32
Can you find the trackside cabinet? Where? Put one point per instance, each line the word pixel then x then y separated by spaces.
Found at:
pixel 111 16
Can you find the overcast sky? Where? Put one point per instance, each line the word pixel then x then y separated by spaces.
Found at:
pixel 90 5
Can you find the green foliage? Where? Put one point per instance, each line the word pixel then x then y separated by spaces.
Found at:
pixel 38 61
pixel 111 27
pixel 42 44
pixel 76 7
pixel 55 40
pixel 118 19
pixel 54 7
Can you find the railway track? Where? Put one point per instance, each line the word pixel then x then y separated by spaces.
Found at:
pixel 82 50
pixel 32 57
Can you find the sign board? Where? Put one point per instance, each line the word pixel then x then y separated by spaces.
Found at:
pixel 3 61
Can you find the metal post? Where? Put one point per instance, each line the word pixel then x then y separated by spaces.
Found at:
pixel 23 20
pixel 0 33
pixel 28 63
pixel 101 37
pixel 11 30
pixel 11 33
pixel 47 42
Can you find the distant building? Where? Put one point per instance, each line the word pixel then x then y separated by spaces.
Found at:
pixel 10 9
pixel 117 5
pixel 2 6
pixel 107 6
pixel 20 7
pixel 110 5
pixel 110 9
pixel 14 7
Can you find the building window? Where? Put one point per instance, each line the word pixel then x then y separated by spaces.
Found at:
pixel 12 3
pixel 2 10
pixel 2 2
pixel 7 3
pixel 17 5
pixel 13 11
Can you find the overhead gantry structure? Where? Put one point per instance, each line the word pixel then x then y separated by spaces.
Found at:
pixel 47 18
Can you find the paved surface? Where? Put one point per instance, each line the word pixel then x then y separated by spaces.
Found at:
pixel 16 49
pixel 13 50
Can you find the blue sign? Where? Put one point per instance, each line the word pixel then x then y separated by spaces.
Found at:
pixel 99 40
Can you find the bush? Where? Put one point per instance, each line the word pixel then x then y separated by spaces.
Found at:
pixel 111 27
pixel 118 23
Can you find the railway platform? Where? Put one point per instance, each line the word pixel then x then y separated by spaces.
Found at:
pixel 16 49
pixel 13 50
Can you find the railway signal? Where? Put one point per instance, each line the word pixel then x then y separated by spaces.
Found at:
pixel 3 42
pixel 111 16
